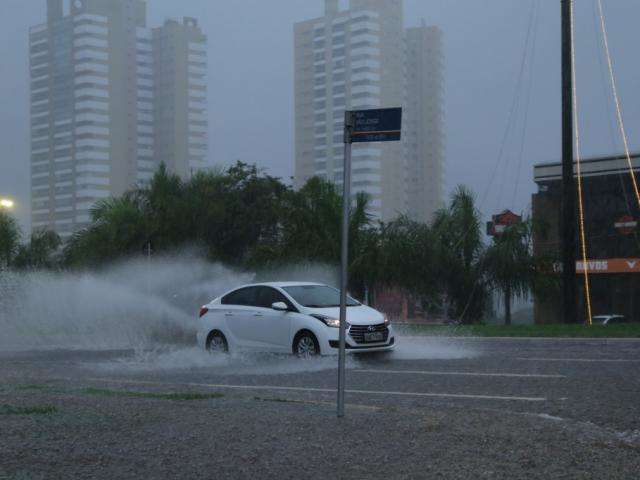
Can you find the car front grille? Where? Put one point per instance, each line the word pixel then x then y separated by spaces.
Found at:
pixel 357 332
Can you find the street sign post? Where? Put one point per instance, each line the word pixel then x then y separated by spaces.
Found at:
pixel 377 125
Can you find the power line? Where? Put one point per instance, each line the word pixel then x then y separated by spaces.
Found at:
pixel 527 103
pixel 515 104
pixel 583 240
pixel 605 96
pixel 512 112
pixel 614 89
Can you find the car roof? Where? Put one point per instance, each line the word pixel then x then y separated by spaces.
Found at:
pixel 281 284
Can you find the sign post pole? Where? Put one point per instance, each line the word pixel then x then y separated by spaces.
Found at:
pixel 376 125
pixel 344 257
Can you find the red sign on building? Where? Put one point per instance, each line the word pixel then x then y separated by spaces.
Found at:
pixel 499 223
pixel 626 225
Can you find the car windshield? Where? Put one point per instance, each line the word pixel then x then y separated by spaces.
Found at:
pixel 600 319
pixel 318 296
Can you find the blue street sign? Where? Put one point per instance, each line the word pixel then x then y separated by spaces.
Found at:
pixel 376 125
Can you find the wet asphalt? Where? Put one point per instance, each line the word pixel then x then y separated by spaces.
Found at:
pixel 435 408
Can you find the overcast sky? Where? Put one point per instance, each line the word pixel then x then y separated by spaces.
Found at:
pixel 251 85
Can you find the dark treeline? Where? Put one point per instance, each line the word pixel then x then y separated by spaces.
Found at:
pixel 247 219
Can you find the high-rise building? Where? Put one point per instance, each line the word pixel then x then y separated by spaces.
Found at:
pixel 110 99
pixel 363 58
pixel 424 136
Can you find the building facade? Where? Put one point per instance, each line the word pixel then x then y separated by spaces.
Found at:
pixel 611 229
pixel 362 58
pixel 110 99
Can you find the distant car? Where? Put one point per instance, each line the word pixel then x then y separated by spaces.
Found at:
pixel 609 319
pixel 290 317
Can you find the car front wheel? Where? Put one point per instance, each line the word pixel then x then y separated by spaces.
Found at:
pixel 306 345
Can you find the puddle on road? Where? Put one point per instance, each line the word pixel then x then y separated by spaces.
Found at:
pixel 431 348
pixel 245 363
pixel 195 359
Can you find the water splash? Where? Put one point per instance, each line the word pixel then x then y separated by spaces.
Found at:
pixel 136 304
pixel 194 359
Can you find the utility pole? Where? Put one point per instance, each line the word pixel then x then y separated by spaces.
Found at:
pixel 568 224
pixel 349 123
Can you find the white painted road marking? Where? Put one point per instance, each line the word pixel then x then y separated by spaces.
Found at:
pixel 579 359
pixel 466 374
pixel 328 390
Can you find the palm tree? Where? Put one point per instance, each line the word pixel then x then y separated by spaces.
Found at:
pixel 459 249
pixel 118 228
pixel 9 239
pixel 510 264
pixel 163 205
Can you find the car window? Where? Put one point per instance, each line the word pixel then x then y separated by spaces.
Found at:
pixel 243 296
pixel 267 296
pixel 318 296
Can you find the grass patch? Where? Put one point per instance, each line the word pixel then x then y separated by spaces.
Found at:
pixel 35 410
pixel 32 387
pixel 556 330
pixel 278 400
pixel 101 392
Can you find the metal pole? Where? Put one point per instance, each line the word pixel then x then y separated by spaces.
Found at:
pixel 568 224
pixel 344 258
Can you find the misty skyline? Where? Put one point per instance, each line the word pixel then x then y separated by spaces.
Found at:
pixel 251 86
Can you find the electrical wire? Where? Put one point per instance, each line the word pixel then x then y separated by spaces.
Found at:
pixel 583 240
pixel 515 104
pixel 525 121
pixel 610 116
pixel 614 89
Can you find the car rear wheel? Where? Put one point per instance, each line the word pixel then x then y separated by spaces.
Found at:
pixel 217 343
pixel 306 345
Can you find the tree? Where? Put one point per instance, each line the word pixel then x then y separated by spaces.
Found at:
pixel 510 264
pixel 163 206
pixel 9 239
pixel 459 249
pixel 307 227
pixel 39 252
pixel 251 213
pixel 118 228
pixel 397 254
pixel 227 212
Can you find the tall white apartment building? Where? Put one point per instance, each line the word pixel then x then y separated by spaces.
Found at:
pixel 363 58
pixel 110 100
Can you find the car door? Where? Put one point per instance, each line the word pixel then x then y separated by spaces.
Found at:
pixel 239 309
pixel 274 326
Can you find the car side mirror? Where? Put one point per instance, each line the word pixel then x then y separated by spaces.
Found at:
pixel 280 306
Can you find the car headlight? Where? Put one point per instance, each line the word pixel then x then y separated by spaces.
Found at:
pixel 386 320
pixel 328 321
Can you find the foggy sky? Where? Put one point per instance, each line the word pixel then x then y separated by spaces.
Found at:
pixel 251 85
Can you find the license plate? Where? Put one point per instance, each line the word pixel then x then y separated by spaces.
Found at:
pixel 374 337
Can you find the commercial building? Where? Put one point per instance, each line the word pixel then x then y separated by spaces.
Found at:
pixel 611 228
pixel 362 58
pixel 110 99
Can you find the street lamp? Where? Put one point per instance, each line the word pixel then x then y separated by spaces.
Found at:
pixel 6 204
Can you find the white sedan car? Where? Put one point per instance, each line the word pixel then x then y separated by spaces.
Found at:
pixel 290 317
